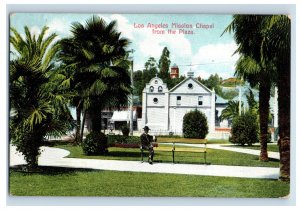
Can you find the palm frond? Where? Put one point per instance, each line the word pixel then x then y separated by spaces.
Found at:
pixel 97 87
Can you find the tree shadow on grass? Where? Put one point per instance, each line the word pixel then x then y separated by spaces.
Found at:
pixel 270 159
pixel 273 160
pixel 49 170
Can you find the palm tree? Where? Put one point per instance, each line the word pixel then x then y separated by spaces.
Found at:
pixel 278 49
pixel 97 54
pixel 256 74
pixel 68 50
pixel 252 103
pixel 37 105
pixel 266 39
pixel 231 111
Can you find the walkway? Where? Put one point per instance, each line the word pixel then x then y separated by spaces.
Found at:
pixel 55 157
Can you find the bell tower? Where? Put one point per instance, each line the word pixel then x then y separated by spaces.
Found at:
pixel 174 71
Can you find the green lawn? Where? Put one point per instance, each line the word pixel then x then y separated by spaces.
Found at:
pixel 79 182
pixel 217 141
pixel 215 157
pixel 271 147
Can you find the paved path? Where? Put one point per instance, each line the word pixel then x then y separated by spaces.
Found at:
pixel 274 155
pixel 55 157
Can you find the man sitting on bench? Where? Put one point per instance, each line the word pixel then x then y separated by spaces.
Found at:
pixel 146 143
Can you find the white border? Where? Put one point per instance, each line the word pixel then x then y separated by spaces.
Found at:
pixel 214 7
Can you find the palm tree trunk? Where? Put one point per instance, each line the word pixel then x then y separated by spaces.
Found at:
pixel 264 98
pixel 95 115
pixel 33 141
pixel 284 91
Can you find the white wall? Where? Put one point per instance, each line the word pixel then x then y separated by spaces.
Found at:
pixel 176 119
pixel 156 118
pixel 161 99
pixel 190 100
pixel 198 87
pixel 162 116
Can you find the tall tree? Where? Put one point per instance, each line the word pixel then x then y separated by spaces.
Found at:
pixel 164 64
pixel 37 99
pixel 213 82
pixel 262 74
pixel 151 69
pixel 101 62
pixel 141 78
pixel 70 65
pixel 139 84
pixel 266 39
pixel 252 103
pixel 277 48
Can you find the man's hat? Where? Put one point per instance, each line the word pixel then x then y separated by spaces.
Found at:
pixel 146 128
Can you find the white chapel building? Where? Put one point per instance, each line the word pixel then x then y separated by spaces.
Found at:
pixel 163 110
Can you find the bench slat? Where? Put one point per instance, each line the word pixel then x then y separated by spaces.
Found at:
pixel 163 149
pixel 180 149
pixel 182 140
pixel 190 149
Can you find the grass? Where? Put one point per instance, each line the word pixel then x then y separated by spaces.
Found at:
pixel 217 141
pixel 216 157
pixel 271 147
pixel 79 182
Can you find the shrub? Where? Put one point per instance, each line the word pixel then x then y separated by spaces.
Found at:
pixel 112 139
pixel 195 125
pixel 244 129
pixel 95 143
pixel 28 143
pixel 169 136
pixel 125 130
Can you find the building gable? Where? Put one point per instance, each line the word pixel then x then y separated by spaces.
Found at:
pixel 156 85
pixel 190 85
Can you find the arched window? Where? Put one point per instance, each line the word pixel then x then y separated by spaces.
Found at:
pixel 151 89
pixel 155 100
pixel 160 89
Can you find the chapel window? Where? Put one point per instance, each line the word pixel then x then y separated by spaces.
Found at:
pixel 160 89
pixel 200 100
pixel 178 102
pixel 151 89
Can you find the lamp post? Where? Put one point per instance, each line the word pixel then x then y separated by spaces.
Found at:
pixel 131 97
pixel 174 120
pixel 276 115
pixel 240 100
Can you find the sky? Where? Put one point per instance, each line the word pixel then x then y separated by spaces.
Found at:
pixel 194 41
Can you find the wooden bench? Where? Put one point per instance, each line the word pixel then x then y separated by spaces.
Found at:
pixel 176 147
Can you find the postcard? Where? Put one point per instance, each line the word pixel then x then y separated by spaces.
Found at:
pixel 149 105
